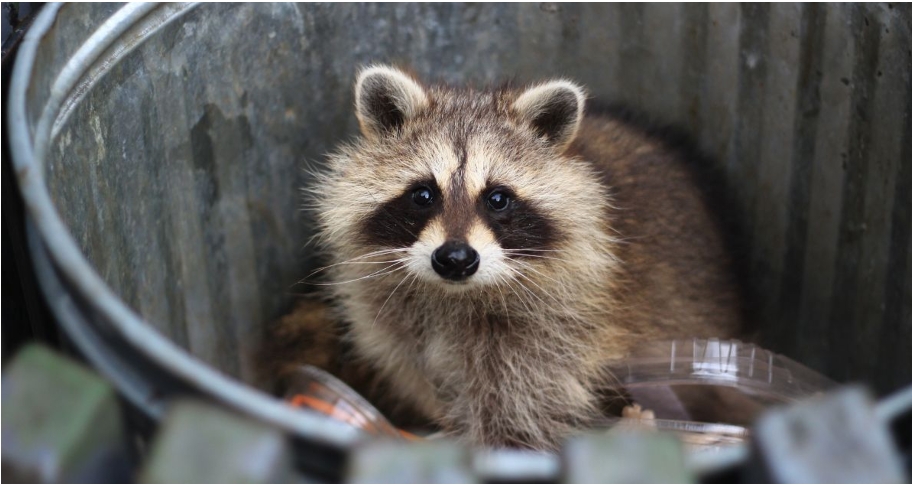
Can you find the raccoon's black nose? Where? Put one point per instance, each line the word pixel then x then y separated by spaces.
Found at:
pixel 455 261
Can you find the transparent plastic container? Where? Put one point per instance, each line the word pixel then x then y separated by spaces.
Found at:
pixel 729 363
pixel 708 391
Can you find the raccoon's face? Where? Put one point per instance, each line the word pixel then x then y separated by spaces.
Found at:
pixel 460 188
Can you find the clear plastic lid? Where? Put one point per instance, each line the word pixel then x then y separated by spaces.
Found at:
pixel 709 391
pixel 727 363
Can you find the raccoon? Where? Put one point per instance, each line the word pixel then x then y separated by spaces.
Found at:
pixel 491 249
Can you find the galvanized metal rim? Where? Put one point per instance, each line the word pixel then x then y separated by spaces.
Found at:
pixel 28 152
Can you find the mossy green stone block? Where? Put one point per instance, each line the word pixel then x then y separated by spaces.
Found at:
pixel 201 443
pixel 836 438
pixel 59 419
pixel 624 457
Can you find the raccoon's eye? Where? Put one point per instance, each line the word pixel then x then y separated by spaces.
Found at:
pixel 498 200
pixel 423 196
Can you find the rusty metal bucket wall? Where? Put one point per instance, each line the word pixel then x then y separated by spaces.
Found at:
pixel 160 149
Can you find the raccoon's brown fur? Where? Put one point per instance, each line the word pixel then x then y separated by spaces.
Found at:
pixel 605 242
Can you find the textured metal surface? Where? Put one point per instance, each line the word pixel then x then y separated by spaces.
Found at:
pixel 177 170
pixel 148 368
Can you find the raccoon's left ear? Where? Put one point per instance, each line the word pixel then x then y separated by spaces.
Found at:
pixel 553 109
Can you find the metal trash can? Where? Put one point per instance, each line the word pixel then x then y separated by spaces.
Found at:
pixel 159 147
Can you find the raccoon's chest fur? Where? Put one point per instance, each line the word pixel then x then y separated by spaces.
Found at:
pixel 492 369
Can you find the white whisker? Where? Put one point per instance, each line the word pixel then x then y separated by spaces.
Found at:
pixel 517 294
pixel 503 300
pixel 407 275
pixel 381 272
pixel 534 256
pixel 533 250
pixel 529 267
pixel 354 260
pixel 555 301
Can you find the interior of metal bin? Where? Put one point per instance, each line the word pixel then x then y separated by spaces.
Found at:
pixel 178 171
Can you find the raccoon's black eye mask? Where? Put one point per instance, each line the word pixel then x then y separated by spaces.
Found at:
pixel 399 221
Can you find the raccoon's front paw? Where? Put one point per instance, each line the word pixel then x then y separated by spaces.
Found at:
pixel 635 418
pixel 636 411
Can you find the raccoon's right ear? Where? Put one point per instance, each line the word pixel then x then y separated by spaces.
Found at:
pixel 385 98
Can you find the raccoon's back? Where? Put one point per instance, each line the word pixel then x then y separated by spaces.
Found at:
pixel 678 277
